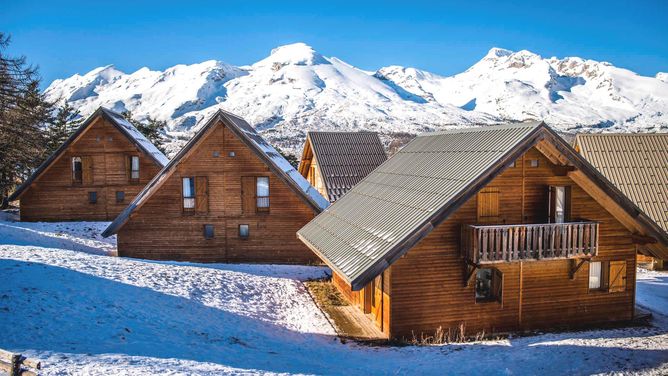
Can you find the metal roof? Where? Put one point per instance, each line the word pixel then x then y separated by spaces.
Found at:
pixel 382 216
pixel 344 158
pixel 637 164
pixel 117 120
pixel 405 198
pixel 247 134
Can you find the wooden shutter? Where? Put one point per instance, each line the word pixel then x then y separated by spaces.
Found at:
pixel 617 281
pixel 488 205
pixel 87 170
pixel 128 167
pixel 497 284
pixel 552 203
pixel 201 194
pixel 248 194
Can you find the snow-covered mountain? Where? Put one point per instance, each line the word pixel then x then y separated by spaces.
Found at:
pixel 296 89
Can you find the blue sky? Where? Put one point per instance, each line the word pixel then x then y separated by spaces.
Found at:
pixel 67 37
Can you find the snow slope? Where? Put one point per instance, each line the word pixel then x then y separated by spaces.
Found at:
pixel 84 313
pixel 296 89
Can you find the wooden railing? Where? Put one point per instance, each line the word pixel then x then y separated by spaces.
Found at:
pixel 508 243
pixel 17 364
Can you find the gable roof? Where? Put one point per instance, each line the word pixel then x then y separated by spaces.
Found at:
pixel 119 122
pixel 274 160
pixel 637 164
pixel 401 201
pixel 344 158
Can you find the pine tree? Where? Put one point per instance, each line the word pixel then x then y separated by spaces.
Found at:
pixel 64 124
pixel 151 128
pixel 24 113
pixel 294 161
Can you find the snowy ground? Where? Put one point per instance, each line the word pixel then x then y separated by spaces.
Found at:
pixel 65 302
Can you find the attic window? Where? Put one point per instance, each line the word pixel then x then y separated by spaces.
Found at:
pixel 216 154
pixel 533 162
pixel 511 164
pixel 232 154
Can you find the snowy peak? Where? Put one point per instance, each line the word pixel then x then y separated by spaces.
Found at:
pixel 496 52
pixel 292 54
pixel 663 76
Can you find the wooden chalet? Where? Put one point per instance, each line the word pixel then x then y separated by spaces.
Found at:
pixel 93 175
pixel 333 162
pixel 492 229
pixel 227 196
pixel 637 164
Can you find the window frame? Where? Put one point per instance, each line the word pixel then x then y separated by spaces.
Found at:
pixel 247 226
pixel 496 280
pixel 92 197
pixel 188 208
pixel 209 231
pixel 77 179
pixel 134 172
pixel 261 200
pixel 120 194
pixel 604 277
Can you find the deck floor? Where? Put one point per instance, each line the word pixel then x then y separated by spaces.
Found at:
pixel 348 321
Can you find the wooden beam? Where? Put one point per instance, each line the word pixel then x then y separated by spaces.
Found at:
pixel 640 239
pixel 575 267
pixel 469 272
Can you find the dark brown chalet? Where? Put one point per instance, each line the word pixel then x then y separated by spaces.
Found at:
pixel 93 175
pixel 228 196
pixel 490 229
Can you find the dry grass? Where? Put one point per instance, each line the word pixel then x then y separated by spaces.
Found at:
pixel 325 294
pixel 442 336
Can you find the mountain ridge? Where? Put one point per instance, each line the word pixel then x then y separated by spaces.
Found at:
pixel 295 89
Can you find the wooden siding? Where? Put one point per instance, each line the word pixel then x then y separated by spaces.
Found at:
pixel 360 299
pixel 427 284
pixel 161 230
pixel 54 197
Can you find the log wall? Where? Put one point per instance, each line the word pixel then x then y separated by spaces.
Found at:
pixel 161 230
pixel 54 197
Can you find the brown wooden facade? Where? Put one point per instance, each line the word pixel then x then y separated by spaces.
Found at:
pixel 425 289
pixel 103 185
pixel 228 221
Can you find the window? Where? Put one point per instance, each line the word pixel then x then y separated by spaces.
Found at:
pixel 232 154
pixel 134 168
pixel 189 194
pixel 488 285
pixel 92 197
pixel 77 170
pixel 208 231
pixel 511 164
pixel 533 162
pixel 559 211
pixel 216 154
pixel 244 231
pixel 609 276
pixel 120 197
pixel 262 193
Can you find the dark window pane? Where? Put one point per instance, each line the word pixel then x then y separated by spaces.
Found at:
pixel 92 197
pixel 120 196
pixel 208 231
pixel 244 231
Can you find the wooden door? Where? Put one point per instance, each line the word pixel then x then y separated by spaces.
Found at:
pixel 377 301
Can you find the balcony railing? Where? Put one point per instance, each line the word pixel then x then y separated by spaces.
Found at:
pixel 509 243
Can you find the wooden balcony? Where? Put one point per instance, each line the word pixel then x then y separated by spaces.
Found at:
pixel 511 243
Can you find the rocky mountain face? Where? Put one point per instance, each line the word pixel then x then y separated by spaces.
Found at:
pixel 296 89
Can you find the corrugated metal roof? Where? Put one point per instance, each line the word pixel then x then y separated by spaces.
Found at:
pixel 117 120
pixel 345 158
pixel 367 229
pixel 247 134
pixel 637 164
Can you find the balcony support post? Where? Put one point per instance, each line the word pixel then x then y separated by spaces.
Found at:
pixel 469 270
pixel 575 266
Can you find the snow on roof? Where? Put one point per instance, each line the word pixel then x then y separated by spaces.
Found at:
pixel 253 140
pixel 138 137
pixel 279 162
